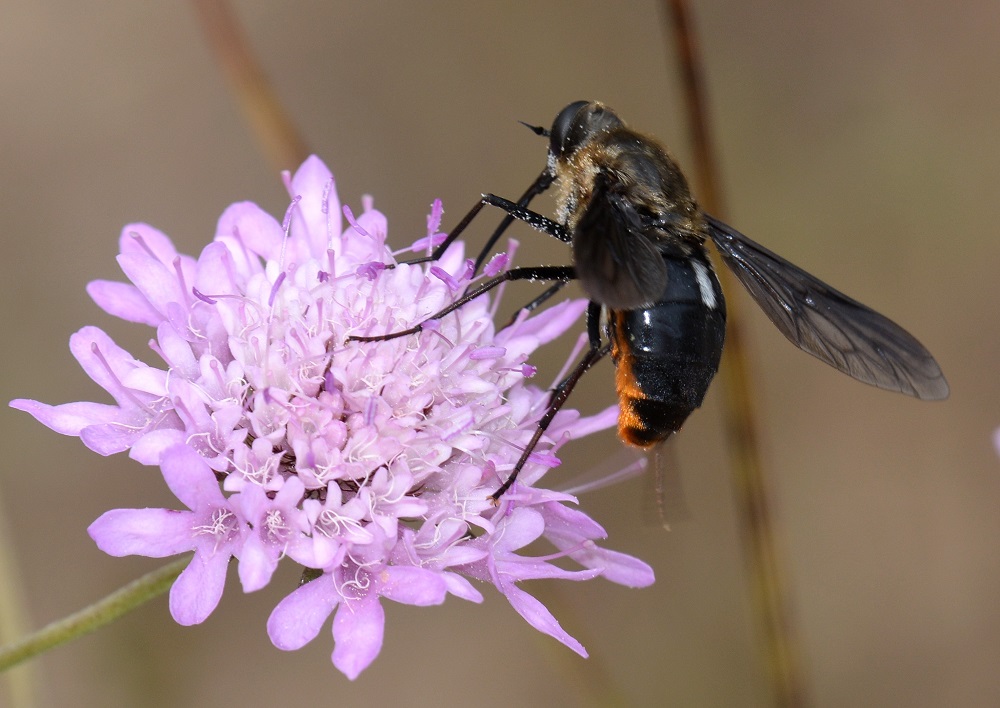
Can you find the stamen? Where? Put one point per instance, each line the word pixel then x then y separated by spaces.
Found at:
pixel 274 288
pixel 496 265
pixel 370 270
pixel 180 279
pixel 434 218
pixel 349 215
pixel 287 221
pixel 445 278
pixel 201 296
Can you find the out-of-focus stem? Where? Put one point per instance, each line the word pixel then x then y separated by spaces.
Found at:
pixel 768 588
pixel 21 682
pixel 273 128
pixel 95 616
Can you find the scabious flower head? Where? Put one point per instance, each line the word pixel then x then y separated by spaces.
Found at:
pixel 369 463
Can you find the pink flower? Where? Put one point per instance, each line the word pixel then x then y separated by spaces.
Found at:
pixel 368 463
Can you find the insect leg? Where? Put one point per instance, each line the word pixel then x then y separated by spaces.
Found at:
pixel 537 302
pixel 593 335
pixel 558 400
pixel 537 187
pixel 545 273
pixel 515 210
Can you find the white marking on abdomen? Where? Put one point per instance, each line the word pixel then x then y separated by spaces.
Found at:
pixel 704 285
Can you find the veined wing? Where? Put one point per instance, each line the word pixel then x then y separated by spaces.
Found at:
pixel 828 324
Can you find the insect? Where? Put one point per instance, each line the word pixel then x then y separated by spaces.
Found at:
pixel 638 240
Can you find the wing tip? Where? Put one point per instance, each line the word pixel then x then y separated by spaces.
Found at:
pixel 933 390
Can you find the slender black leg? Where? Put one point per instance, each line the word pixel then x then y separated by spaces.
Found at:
pixel 537 302
pixel 546 273
pixel 514 210
pixel 593 334
pixel 537 187
pixel 540 184
pixel 531 218
pixel 562 391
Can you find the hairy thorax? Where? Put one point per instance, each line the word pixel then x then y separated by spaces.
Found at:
pixel 640 170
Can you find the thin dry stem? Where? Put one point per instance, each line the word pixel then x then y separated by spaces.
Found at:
pixel 273 128
pixel 768 588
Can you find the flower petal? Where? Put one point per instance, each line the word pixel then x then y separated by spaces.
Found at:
pixel 411 585
pixel 190 478
pixel 358 629
pixel 251 227
pixel 460 587
pixel 300 616
pixel 540 618
pixel 143 238
pixel 68 418
pixel 148 449
pixel 314 221
pixel 108 439
pixel 257 564
pixel 123 300
pixel 105 362
pixel 196 593
pixel 156 533
pixel 157 282
pixel 623 569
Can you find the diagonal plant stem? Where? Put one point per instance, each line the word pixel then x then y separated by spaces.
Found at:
pixel 274 129
pixel 768 589
pixel 95 616
pixel 22 683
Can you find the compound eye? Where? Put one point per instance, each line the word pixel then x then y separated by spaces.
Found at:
pixel 562 132
pixel 577 124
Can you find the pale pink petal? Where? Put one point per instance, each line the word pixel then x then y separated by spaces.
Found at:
pixel 196 593
pixel 190 478
pixel 300 616
pixel 257 564
pixel 411 585
pixel 540 618
pixel 123 300
pixel 460 587
pixel 522 527
pixel 217 272
pixel 621 568
pixel 358 630
pixel 156 533
pixel 252 227
pixel 105 362
pixel 549 323
pixel 156 281
pixel 578 426
pixel 143 238
pixel 149 448
pixel 68 418
pixel 313 222
pixel 112 438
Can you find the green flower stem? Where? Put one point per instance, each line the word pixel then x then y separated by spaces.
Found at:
pixel 97 615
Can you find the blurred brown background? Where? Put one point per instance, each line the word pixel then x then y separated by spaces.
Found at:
pixel 859 139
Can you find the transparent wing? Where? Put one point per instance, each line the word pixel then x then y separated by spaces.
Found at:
pixel 826 323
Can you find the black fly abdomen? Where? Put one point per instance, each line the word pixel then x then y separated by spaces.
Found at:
pixel 667 354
